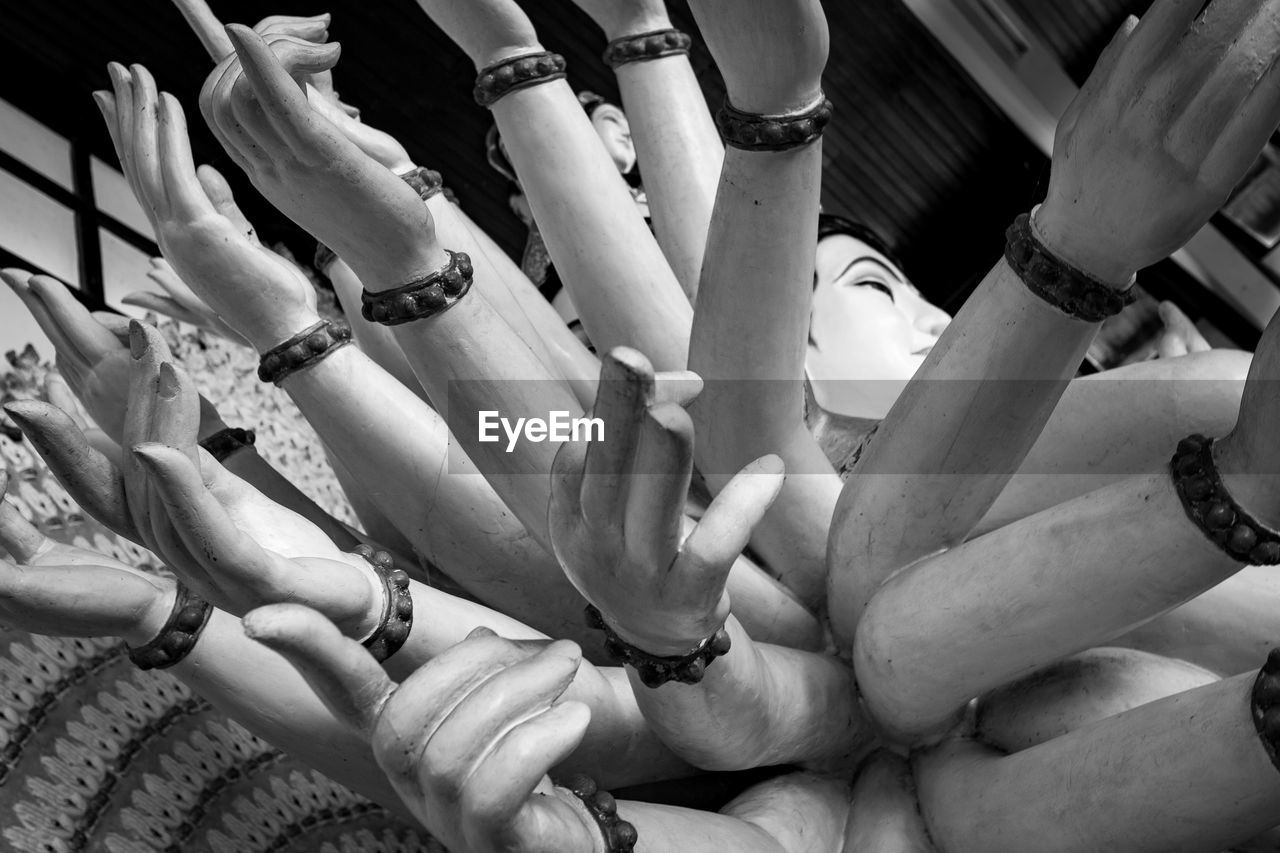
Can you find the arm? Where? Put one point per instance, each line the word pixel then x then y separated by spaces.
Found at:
pixel 1125 147
pixel 677 145
pixel 752 316
pixel 613 268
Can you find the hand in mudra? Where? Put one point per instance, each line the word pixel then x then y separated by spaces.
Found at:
pixel 467 740
pixel 617 516
pixel 1176 110
pixel 52 588
pixel 229 543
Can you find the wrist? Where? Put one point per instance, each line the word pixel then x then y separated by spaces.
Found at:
pixel 408 269
pixel 646 21
pixel 154 615
pixel 1072 243
pixel 270 336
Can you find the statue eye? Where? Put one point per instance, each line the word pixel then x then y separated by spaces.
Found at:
pixel 874 283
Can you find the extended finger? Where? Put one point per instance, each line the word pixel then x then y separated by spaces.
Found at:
pixel 58 393
pixel 725 528
pixel 162 305
pixel 504 781
pixel 509 698
pixel 147 350
pixel 313 29
pixel 19 282
pixel 1246 133
pixel 89 341
pixel 625 390
pixel 1103 72
pixel 282 99
pixel 1164 24
pixel 658 485
pixel 206 26
pixel 219 193
pixel 146 142
pixel 681 387
pixel 342 672
pixel 177 168
pixel 94 483
pixel 122 86
pixel 215 106
pixel 106 102
pixel 17 535
pixel 251 116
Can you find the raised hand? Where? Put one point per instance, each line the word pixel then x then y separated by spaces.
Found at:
pixel 308 168
pixel 48 587
pixel 201 231
pixel 617 516
pixel 1172 116
pixel 467 740
pixel 233 546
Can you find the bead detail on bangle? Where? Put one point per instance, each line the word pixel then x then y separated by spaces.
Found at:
pixel 1210 506
pixel 619 835
pixel 755 132
pixel 397 613
pixel 228 440
pixel 518 72
pixel 302 350
pixel 430 295
pixel 656 670
pixel 178 636
pixel 645 46
pixel 1265 706
pixel 1068 289
pixel 425 182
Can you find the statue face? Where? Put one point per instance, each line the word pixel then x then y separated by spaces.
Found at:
pixel 615 132
pixel 868 323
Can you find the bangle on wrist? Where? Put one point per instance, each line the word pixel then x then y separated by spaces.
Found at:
pixel 228 440
pixel 643 47
pixel 782 132
pixel 1265 706
pixel 425 182
pixel 1072 291
pixel 304 349
pixel 393 628
pixel 657 670
pixel 519 72
pixel 1211 508
pixel 428 296
pixel 178 637
pixel 619 835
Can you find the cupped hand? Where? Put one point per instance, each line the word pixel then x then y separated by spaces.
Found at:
pixel 48 587
pixel 308 168
pixel 1175 112
pixel 467 740
pixel 617 516
pixel 228 542
pixel 770 53
pixel 200 230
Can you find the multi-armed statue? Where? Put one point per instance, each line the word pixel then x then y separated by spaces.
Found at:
pixel 963 649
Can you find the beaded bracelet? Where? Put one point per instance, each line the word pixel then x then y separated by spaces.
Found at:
pixel 755 132
pixel 1210 506
pixel 430 295
pixel 1265 706
pixel 178 637
pixel 1072 291
pixel 645 46
pixel 228 440
pixel 619 835
pixel 518 72
pixel 302 350
pixel 425 182
pixel 397 614
pixel 655 670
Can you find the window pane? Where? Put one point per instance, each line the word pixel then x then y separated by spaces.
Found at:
pixel 124 271
pixel 39 229
pixel 34 144
pixel 112 194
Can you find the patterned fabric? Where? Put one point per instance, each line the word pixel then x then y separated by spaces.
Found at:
pixel 96 755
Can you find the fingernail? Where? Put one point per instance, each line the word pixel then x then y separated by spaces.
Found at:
pixel 137 340
pixel 168 384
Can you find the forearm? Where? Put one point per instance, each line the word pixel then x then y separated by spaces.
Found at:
pixel 398 449
pixel 953 438
pixel 752 356
pixel 1070 578
pixel 758 705
pixel 680 155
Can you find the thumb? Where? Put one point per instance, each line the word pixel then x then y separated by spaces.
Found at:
pixel 342 672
